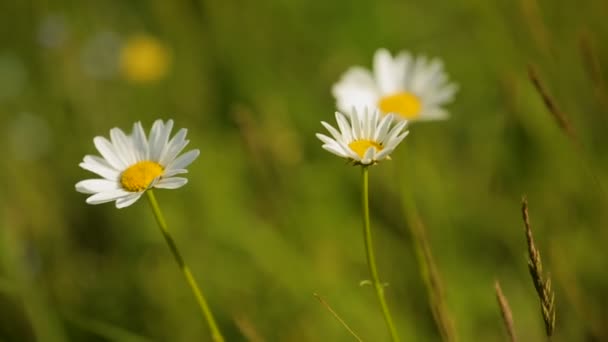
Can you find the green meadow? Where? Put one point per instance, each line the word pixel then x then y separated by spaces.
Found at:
pixel 268 219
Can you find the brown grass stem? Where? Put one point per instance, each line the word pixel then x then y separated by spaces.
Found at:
pixel 541 284
pixel 432 279
pixel 505 311
pixel 551 105
pixel 337 317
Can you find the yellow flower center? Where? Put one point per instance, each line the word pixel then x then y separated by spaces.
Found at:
pixel 360 146
pixel 403 103
pixel 138 176
pixel 144 59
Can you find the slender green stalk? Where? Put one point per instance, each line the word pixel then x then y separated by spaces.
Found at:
pixel 216 335
pixel 371 259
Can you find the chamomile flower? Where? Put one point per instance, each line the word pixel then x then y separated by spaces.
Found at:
pixel 412 88
pixel 364 138
pixel 131 164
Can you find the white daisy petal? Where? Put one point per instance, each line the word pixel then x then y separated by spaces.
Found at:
pixel 155 146
pixel 355 123
pixel 393 133
pixel 184 160
pixel 174 172
pixel 335 150
pixel 99 166
pixel 442 96
pixel 435 114
pixel 405 59
pixel 344 126
pixel 106 149
pixel 369 155
pixel 128 200
pixel 107 196
pixel 91 186
pixel 332 131
pixel 383 70
pixel 324 138
pixel 123 146
pixel 140 142
pixel 171 183
pixel 174 147
pixel 357 88
pixel 383 127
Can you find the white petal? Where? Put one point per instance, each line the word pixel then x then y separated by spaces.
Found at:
pixel 140 142
pixel 106 149
pixel 184 160
pixel 174 147
pixel 434 114
pixel 335 150
pixel 384 153
pixel 122 146
pixel 426 73
pixel 368 156
pixel 356 88
pixel 388 73
pixel 99 166
pixel 333 131
pixel 171 183
pixel 107 196
pixel 344 126
pixel 349 151
pixel 441 96
pixel 174 172
pixel 417 72
pixel 355 123
pixel 405 59
pixel 395 131
pixel 128 200
pixel 325 139
pixel 158 138
pixel 92 186
pixel 383 127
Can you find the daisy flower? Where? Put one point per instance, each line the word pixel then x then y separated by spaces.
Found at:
pixel 364 138
pixel 413 88
pixel 131 164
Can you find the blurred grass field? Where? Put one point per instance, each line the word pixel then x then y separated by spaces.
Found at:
pixel 269 218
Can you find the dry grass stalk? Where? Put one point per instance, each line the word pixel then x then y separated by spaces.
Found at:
pixel 433 282
pixel 542 285
pixel 591 60
pixel 551 104
pixel 337 317
pixel 505 312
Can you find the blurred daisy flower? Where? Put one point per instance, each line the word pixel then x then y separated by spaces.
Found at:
pixel 131 164
pixel 413 88
pixel 364 138
pixel 144 59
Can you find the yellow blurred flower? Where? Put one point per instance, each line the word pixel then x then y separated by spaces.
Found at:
pixel 144 58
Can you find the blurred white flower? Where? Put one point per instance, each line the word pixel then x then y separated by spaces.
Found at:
pixel 413 88
pixel 364 138
pixel 131 164
pixel 100 55
pixel 53 31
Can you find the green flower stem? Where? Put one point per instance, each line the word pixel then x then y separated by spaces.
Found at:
pixel 371 259
pixel 216 335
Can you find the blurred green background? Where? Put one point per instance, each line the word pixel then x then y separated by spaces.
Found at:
pixel 269 218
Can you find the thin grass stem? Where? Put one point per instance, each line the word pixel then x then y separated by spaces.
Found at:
pixel 216 335
pixel 371 259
